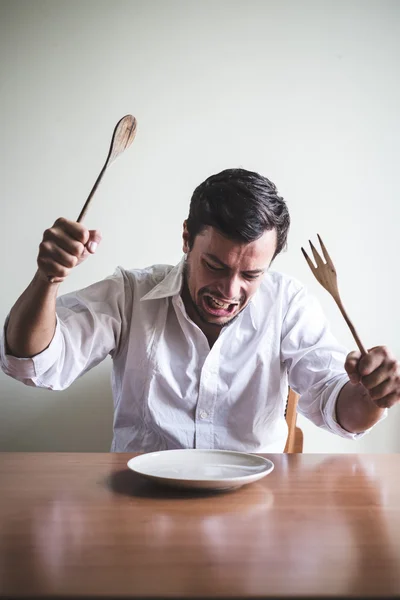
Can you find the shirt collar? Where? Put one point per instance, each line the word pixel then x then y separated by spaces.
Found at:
pixel 171 285
pixel 254 309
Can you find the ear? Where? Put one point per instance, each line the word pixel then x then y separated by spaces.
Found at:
pixel 185 238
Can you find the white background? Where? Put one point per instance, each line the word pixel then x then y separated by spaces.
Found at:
pixel 305 92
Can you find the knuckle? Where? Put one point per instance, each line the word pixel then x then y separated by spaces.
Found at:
pixel 49 267
pixel 387 388
pixel 391 401
pixel 81 234
pixel 48 233
pixel 351 361
pixel 365 381
pixel 388 355
pixel 72 261
pixel 59 270
pixel 78 248
pixel 382 403
pixel 365 366
pixel 44 247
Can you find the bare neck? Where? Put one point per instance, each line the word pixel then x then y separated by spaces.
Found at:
pixel 210 331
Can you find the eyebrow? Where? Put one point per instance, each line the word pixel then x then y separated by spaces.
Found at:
pixel 217 260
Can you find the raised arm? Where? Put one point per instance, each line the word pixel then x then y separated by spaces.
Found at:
pixel 32 320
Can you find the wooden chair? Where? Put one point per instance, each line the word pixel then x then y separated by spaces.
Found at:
pixel 294 442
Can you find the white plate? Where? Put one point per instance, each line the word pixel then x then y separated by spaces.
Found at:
pixel 201 469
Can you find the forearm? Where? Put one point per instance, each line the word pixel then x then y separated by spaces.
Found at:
pixel 32 320
pixel 355 411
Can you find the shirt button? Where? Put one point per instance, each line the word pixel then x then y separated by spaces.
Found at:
pixel 203 414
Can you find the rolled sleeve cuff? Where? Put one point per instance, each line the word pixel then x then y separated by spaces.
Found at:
pixel 329 412
pixel 34 367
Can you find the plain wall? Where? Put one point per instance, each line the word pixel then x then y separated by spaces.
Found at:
pixel 305 92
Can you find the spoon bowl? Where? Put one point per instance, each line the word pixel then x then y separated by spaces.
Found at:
pixel 123 136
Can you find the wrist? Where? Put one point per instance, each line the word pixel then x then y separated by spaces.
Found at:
pixel 41 283
pixel 355 411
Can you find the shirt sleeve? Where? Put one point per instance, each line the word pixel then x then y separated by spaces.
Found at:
pixel 315 362
pixel 91 324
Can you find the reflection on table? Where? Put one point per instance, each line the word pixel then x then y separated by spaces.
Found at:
pixel 83 524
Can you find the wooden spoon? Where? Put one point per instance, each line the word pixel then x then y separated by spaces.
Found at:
pixel 122 138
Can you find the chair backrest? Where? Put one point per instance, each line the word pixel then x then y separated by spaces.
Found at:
pixel 294 442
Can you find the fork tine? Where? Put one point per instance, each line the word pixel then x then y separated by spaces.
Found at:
pixel 309 261
pixel 317 257
pixel 325 252
pixel 325 273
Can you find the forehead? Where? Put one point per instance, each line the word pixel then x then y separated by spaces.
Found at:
pixel 249 256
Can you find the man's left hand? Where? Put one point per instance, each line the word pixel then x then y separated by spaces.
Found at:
pixel 379 373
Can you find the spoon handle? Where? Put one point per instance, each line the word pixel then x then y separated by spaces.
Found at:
pixel 92 192
pixel 85 208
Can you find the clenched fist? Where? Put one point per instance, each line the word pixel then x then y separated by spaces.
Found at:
pixel 64 246
pixel 378 372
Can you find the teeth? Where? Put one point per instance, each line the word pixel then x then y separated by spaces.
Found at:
pixel 218 303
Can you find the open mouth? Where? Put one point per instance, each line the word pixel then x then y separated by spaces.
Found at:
pixel 217 307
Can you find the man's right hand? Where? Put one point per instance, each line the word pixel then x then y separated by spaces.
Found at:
pixel 64 246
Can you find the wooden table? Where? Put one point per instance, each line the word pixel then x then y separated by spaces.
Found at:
pixel 83 525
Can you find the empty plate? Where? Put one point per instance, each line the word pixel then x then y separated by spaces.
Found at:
pixel 201 469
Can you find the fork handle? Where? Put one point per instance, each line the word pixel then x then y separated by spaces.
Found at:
pixel 351 327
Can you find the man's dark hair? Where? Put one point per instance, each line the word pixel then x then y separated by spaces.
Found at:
pixel 241 204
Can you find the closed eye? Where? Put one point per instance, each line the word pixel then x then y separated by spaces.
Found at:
pixel 213 267
pixel 251 276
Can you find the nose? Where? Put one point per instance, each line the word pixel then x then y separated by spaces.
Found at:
pixel 231 288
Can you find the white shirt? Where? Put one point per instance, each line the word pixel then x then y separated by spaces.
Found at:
pixel 170 389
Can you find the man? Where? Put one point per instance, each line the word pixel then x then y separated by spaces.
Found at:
pixel 203 352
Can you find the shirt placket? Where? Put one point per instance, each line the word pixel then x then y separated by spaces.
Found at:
pixel 208 381
pixel 205 410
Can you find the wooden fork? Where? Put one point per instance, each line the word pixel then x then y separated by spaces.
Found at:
pixel 325 273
